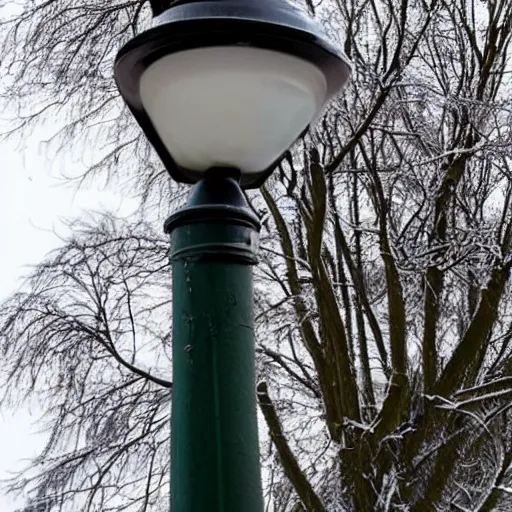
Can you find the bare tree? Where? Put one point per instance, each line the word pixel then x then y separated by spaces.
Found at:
pixel 90 339
pixel 383 303
pixel 396 248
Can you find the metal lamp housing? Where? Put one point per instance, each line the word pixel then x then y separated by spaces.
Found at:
pixel 228 83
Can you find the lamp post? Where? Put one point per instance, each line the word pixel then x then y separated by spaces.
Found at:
pixel 221 89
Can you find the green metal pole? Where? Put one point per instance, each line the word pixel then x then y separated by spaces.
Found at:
pixel 214 438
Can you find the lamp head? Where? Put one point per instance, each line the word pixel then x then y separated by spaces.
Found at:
pixel 228 83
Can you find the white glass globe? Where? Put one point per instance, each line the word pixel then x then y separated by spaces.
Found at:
pixel 234 106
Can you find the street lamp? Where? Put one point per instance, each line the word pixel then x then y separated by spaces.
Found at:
pixel 221 89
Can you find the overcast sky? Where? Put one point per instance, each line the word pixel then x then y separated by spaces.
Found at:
pixel 33 201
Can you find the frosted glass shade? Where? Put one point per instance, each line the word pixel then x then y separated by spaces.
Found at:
pixel 231 106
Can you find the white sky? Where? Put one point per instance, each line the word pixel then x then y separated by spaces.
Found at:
pixel 32 202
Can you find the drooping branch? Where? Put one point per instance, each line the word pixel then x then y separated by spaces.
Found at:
pixel 290 465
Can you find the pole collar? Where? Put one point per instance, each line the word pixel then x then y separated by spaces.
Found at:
pixel 217 223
